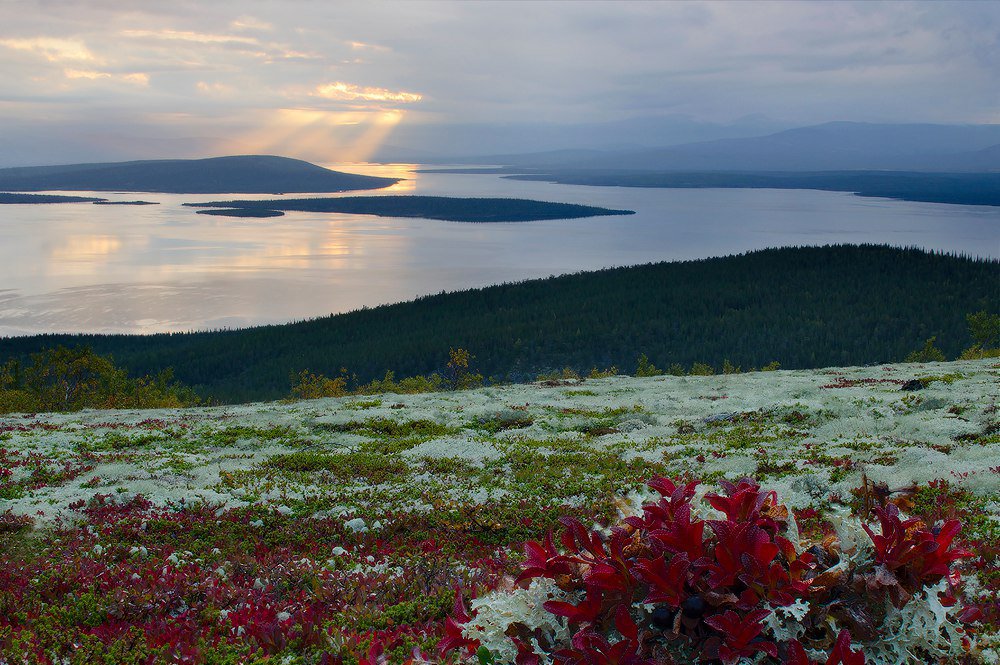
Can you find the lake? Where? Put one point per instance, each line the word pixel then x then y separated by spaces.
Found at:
pixel 143 269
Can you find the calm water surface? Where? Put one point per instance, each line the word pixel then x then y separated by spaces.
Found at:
pixel 86 268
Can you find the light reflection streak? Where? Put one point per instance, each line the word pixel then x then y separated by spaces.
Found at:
pixel 86 248
pixel 405 174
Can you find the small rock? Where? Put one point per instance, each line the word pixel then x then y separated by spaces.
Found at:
pixel 356 525
pixel 631 425
pixel 913 384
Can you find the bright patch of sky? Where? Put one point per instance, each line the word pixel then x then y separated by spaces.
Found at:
pixel 148 79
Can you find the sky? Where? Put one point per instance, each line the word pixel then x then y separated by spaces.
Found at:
pixel 338 81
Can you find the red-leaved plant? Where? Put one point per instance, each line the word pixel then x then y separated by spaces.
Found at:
pixel 663 588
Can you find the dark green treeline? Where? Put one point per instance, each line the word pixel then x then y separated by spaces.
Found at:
pixel 804 307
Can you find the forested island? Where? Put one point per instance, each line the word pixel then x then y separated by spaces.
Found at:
pixel 241 212
pixel 447 208
pixel 803 307
pixel 243 174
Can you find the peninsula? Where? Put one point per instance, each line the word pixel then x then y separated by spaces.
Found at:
pixel 243 174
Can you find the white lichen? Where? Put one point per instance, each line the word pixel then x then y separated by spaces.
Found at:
pixel 924 630
pixel 856 548
pixel 494 613
pixel 785 623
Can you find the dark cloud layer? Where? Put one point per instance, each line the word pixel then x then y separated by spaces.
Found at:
pixel 301 75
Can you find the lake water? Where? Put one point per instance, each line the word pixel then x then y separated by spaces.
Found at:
pixel 86 268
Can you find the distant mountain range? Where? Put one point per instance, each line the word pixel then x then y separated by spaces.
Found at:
pixel 442 143
pixel 246 174
pixel 835 146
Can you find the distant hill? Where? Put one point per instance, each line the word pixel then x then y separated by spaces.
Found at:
pixel 244 174
pixel 804 307
pixel 834 146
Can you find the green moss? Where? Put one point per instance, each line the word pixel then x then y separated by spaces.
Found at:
pixel 115 441
pixel 768 467
pixel 529 471
pixel 178 464
pixel 947 379
pixel 446 466
pixel 364 404
pixel 230 435
pixel 428 608
pixel 504 420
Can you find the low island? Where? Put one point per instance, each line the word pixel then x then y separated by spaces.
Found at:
pixel 11 198
pixel 446 208
pixel 241 212
pixel 126 203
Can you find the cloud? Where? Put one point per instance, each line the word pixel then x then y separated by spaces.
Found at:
pixel 135 78
pixel 53 49
pixel 226 64
pixel 85 74
pixel 361 46
pixel 215 88
pixel 278 53
pixel 349 92
pixel 138 78
pixel 189 36
pixel 251 23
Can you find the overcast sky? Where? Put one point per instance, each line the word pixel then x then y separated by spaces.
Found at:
pixel 297 76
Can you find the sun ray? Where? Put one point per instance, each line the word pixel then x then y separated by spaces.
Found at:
pixel 324 136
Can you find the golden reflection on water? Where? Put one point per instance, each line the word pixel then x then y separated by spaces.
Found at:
pixel 337 242
pixel 405 173
pixel 83 255
pixel 297 241
pixel 85 248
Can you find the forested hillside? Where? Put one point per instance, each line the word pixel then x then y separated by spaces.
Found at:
pixel 803 307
